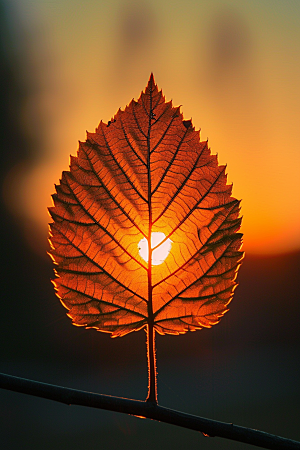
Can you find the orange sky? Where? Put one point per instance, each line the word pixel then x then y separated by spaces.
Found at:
pixel 225 62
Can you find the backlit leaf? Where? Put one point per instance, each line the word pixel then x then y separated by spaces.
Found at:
pixel 144 172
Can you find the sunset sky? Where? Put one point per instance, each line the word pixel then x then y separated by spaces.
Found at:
pixel 233 66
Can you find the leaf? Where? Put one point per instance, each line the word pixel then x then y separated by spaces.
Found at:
pixel 145 172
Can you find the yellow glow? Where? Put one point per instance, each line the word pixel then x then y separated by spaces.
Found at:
pixel 257 136
pixel 160 253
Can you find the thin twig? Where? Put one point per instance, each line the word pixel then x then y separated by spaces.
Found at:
pixel 148 410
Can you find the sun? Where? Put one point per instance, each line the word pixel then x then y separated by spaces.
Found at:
pixel 160 253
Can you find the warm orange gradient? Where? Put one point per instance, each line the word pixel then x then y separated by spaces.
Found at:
pixel 234 74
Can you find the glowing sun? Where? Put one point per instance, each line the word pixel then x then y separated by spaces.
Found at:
pixel 160 253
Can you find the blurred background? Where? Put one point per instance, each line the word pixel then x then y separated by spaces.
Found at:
pixel 234 67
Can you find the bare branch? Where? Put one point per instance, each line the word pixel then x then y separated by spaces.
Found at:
pixel 148 410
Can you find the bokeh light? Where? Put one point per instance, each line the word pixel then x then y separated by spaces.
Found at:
pixel 234 67
pixel 225 62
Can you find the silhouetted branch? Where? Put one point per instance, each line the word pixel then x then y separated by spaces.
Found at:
pixel 148 410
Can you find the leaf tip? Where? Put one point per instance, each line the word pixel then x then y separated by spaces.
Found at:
pixel 151 82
